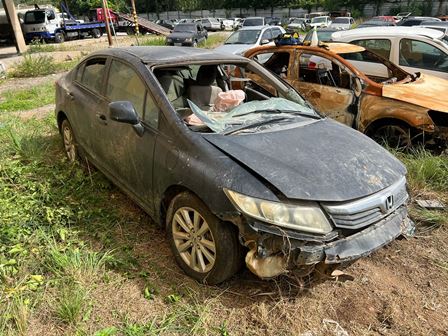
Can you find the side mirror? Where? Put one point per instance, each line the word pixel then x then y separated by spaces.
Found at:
pixel 264 41
pixel 51 15
pixel 124 112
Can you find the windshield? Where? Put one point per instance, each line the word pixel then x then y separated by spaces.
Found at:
pixel 185 28
pixel 319 20
pixel 298 21
pixel 244 37
pixel 253 22
pixel 35 17
pixel 341 20
pixel 233 98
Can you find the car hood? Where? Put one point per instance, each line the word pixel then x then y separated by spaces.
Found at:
pixel 181 35
pixel 236 49
pixel 321 161
pixel 340 25
pixel 427 91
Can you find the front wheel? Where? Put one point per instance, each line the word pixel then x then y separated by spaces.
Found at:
pixel 96 33
pixel 395 136
pixel 206 248
pixel 59 37
pixel 69 142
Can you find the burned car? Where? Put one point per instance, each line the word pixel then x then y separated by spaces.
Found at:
pixel 228 167
pixel 364 90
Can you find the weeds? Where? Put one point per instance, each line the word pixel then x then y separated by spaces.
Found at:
pixel 213 41
pixel 37 47
pixel 153 41
pixel 70 304
pixel 33 66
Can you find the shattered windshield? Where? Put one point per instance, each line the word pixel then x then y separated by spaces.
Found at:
pixel 233 98
pixel 244 37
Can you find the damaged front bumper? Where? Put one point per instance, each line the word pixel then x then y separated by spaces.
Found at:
pixel 277 252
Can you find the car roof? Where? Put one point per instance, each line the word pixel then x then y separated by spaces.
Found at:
pixel 334 47
pixel 255 27
pixel 154 55
pixel 322 16
pixel 390 31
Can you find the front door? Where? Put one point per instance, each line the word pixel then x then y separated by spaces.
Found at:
pixel 129 157
pixel 327 85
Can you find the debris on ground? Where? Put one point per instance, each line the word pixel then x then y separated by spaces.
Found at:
pixel 430 204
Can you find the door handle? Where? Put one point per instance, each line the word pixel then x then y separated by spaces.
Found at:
pixel 103 118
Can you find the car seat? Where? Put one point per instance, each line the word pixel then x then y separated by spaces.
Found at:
pixel 202 92
pixel 173 85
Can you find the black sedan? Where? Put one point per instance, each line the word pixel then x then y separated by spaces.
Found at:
pixel 187 34
pixel 231 161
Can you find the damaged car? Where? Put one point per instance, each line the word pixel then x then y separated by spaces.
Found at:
pixel 234 168
pixel 361 89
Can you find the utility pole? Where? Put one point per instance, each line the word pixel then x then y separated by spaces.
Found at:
pixel 134 13
pixel 14 22
pixel 106 20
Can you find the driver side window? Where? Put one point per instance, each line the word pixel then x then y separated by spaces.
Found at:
pixel 321 70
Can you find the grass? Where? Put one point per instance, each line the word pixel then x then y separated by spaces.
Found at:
pixel 27 99
pixel 213 41
pixel 152 41
pixel 40 65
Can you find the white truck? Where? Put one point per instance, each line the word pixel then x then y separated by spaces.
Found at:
pixel 49 25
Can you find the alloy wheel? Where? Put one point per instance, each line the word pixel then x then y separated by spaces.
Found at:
pixel 193 239
pixel 69 143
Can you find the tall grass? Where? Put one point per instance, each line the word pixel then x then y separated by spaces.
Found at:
pixel 33 66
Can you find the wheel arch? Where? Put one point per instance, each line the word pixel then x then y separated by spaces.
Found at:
pixel 60 117
pixel 374 125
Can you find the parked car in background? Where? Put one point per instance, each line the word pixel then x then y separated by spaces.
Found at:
pixel 221 21
pixel 382 101
pixel 323 35
pixel 249 37
pixel 342 23
pixel 253 21
pixel 416 20
pixel 237 23
pixel 253 185
pixel 442 28
pixel 187 20
pixel 272 21
pixel 378 21
pixel 320 22
pixel 211 24
pixel 187 34
pixel 297 24
pixel 412 48
pixel 228 24
pixel 166 23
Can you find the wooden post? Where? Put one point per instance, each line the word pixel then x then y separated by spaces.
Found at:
pixel 106 21
pixel 134 13
pixel 15 25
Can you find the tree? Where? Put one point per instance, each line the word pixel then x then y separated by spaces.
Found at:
pixel 306 4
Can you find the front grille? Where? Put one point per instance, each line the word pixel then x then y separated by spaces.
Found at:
pixel 363 212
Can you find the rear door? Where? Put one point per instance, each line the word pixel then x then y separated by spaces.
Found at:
pixel 87 102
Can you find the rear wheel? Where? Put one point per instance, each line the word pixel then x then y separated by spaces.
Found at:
pixel 69 142
pixel 96 33
pixel 206 248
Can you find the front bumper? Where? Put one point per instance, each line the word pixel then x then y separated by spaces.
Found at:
pixel 276 254
pixel 38 35
pixel 183 44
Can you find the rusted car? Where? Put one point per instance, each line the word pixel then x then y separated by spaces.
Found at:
pixel 362 89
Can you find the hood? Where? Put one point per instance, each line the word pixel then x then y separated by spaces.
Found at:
pixel 180 35
pixel 236 49
pixel 340 25
pixel 426 91
pixel 322 161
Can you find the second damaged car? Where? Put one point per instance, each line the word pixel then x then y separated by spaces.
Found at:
pixel 232 171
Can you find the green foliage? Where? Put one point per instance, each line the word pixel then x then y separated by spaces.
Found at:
pixel 27 99
pixel 152 41
pixel 37 47
pixel 70 304
pixel 33 66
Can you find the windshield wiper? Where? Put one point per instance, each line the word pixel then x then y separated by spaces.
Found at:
pixel 255 124
pixel 289 112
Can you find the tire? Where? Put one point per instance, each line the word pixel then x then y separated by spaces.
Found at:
pixel 59 37
pixel 69 141
pixel 208 251
pixel 95 33
pixel 130 31
pixel 396 136
pixel 195 44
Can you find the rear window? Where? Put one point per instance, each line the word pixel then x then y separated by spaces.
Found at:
pixel 341 20
pixel 93 75
pixel 253 22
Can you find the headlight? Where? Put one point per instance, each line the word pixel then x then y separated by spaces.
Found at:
pixel 188 39
pixel 306 216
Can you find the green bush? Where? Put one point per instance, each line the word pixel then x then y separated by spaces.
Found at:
pixel 33 66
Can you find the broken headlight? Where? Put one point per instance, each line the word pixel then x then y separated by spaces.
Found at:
pixel 306 216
